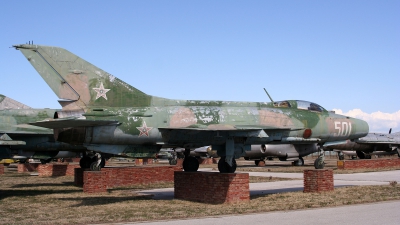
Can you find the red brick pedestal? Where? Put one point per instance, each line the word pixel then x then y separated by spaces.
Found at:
pixel 139 162
pixel 27 167
pixel 78 176
pixel 100 181
pixel 147 161
pixel 368 163
pixel 52 170
pixel 318 180
pixel 214 188
pixel 1 169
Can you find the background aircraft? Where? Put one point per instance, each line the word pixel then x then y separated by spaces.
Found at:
pixel 107 115
pixel 372 143
pixel 25 140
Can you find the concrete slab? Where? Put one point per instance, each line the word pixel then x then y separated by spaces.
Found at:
pixel 363 214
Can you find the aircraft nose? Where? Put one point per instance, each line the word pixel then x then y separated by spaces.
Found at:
pixel 360 128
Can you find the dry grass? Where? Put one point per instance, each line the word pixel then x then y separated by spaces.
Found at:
pixel 26 199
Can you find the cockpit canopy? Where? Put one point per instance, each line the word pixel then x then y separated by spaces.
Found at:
pixel 300 105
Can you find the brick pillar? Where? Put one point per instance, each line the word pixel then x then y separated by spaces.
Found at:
pixel 78 176
pixel 340 164
pixel 139 162
pixel 27 167
pixel 318 180
pixel 214 188
pixel 147 161
pixel 95 182
pixel 368 163
pixel 63 169
pixel 1 169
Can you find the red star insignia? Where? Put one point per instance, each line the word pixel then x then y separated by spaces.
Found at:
pixel 144 130
pixel 101 91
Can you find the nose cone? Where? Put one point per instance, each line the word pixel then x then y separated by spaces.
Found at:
pixel 360 128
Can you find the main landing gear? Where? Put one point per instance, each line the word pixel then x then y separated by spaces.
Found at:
pixel 319 163
pixel 95 163
pixel 190 163
pixel 224 167
pixel 299 162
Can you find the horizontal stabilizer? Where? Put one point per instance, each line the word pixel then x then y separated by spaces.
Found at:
pixel 8 103
pixel 72 122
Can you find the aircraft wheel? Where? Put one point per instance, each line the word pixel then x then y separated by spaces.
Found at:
pixel 224 167
pixel 398 152
pixel 299 162
pixel 257 162
pixel 85 162
pixel 341 157
pixel 42 161
pixel 319 163
pixel 94 167
pixel 360 154
pixel 172 162
pixel 190 164
pixel 367 156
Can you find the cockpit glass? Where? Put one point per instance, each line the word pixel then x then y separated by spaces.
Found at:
pixel 309 106
pixel 282 104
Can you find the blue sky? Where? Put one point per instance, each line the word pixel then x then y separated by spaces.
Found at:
pixel 343 55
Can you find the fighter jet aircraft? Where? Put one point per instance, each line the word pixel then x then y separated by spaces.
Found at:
pixel 370 144
pixel 17 137
pixel 107 115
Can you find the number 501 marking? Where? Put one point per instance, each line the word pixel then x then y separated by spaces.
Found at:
pixel 344 128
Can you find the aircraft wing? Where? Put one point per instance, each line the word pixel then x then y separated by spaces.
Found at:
pixel 72 122
pixel 204 135
pixel 6 140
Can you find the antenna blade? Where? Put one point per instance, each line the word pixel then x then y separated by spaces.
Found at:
pixel 269 95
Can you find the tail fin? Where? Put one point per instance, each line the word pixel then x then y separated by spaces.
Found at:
pixel 8 103
pixel 78 83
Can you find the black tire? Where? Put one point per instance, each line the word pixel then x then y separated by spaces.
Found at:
pixel 94 167
pixel 172 162
pixel 341 157
pixel 319 163
pixel 360 154
pixel 224 167
pixel 85 162
pixel 257 162
pixel 299 162
pixel 190 164
pixel 367 156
